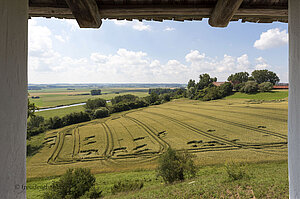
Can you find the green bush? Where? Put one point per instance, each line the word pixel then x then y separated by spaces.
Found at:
pixel 165 97
pixel 174 166
pixel 249 87
pixel 123 186
pixel 96 92
pixel 265 87
pixel 236 171
pixel 238 86
pixel 124 98
pixel 226 89
pixel 212 93
pixel 35 121
pixel 93 104
pixel 93 193
pixel 73 184
pixel 101 113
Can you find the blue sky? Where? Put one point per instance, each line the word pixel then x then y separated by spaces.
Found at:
pixel 152 52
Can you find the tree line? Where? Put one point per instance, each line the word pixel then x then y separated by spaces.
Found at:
pixel 94 109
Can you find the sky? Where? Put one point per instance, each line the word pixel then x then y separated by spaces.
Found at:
pixel 152 52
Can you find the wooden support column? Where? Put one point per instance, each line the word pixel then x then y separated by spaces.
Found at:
pixel 86 12
pixel 223 12
pixel 294 99
pixel 13 97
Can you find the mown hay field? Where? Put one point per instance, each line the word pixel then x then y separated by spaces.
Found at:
pixel 216 132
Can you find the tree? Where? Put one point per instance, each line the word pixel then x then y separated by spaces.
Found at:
pixel 73 184
pixel 261 76
pixel 191 83
pixel 205 81
pixel 265 87
pixel 93 104
pixel 124 98
pixel 31 109
pixel 165 97
pixel 174 166
pixel 96 92
pixel 238 77
pixel 191 92
pixel 226 89
pixel 249 87
pixel 35 121
pixel 152 98
pixel 101 113
pixel 55 122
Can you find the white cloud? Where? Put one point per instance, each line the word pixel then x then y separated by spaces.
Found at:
pixel 46 65
pixel 60 38
pixel 221 68
pixel 194 56
pixel 261 64
pixel 38 37
pixel 271 39
pixel 136 25
pixel 121 22
pixel 140 26
pixel 72 23
pixel 169 29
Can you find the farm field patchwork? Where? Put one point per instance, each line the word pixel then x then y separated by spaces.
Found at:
pixel 216 132
pixel 58 97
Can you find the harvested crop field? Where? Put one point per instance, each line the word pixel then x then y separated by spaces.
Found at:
pixel 217 132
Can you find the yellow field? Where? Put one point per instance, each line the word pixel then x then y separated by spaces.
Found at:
pixel 216 131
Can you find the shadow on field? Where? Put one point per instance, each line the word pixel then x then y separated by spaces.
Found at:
pixel 32 150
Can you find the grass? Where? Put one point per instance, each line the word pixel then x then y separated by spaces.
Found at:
pixel 34 144
pixel 273 95
pixel 60 112
pixel 266 180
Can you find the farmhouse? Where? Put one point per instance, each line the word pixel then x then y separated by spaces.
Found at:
pixel 218 83
pixel 89 14
pixel 281 86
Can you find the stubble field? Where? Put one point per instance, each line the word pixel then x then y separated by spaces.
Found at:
pixel 217 132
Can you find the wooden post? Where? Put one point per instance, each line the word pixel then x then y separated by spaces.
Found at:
pixel 13 100
pixel 223 12
pixel 86 13
pixel 294 98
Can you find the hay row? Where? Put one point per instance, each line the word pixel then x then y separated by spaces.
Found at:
pixel 164 145
pixel 138 138
pixel 140 146
pixel 243 113
pixel 244 126
pixel 196 130
pixel 89 137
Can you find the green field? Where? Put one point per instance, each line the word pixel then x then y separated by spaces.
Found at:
pixel 59 96
pixel 273 95
pixel 216 131
pixel 59 112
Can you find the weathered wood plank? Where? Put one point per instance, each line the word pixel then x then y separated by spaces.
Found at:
pixel 251 15
pixel 192 12
pixel 223 12
pixel 86 12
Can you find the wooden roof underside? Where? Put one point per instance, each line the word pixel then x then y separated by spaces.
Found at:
pixel 89 13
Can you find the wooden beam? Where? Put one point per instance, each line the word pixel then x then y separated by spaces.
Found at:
pixel 86 12
pixel 158 12
pixel 223 12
